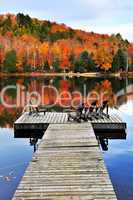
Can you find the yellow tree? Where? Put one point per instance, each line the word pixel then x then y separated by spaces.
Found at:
pixel 44 51
pixel 103 58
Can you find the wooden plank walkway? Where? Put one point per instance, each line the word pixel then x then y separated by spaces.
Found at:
pixel 68 165
pixel 40 122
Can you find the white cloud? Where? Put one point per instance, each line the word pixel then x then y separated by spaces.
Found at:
pixel 126 30
pixel 104 16
pixel 127 108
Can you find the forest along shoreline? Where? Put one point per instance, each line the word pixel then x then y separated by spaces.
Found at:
pixel 69 74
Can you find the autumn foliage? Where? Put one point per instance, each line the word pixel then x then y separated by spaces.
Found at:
pixel 43 44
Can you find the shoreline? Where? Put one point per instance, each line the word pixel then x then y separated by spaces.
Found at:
pixel 69 74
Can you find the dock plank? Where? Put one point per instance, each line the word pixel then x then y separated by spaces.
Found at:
pixel 113 123
pixel 68 165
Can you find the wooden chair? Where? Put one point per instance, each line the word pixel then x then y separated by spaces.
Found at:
pixel 78 114
pixel 100 110
pixel 90 112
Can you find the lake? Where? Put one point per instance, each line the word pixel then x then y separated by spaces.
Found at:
pixel 15 154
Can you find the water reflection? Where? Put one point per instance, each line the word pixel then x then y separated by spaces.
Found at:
pixel 119 161
pixel 14 158
pixel 119 92
pixel 15 153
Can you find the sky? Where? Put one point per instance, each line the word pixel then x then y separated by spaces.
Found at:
pixel 101 16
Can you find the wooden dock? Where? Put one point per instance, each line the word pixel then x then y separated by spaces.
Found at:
pixel 68 165
pixel 39 122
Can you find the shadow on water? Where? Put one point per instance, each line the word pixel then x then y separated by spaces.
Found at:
pixel 33 136
pixel 104 138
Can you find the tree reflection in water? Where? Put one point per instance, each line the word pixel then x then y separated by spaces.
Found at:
pixel 115 88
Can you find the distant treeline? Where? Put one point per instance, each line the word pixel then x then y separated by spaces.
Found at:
pixel 28 44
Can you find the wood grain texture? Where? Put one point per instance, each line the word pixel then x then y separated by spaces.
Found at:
pixel 68 165
pixel 40 121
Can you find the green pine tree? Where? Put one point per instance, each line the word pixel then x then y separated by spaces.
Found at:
pixel 119 61
pixel 10 61
pixel 56 65
pixel 85 63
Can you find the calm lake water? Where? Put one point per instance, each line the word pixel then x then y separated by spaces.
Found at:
pixel 15 154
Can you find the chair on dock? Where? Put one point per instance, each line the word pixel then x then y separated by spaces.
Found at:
pixel 84 113
pixel 90 112
pixel 34 109
pixel 78 114
pixel 95 112
pixel 100 110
